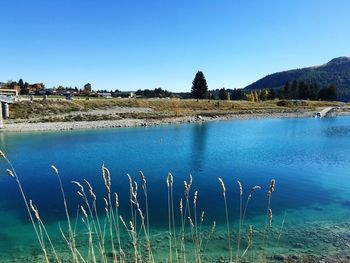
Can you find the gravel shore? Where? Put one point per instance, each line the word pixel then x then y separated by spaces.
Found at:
pixel 27 126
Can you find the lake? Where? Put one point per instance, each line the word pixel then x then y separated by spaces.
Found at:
pixel 308 158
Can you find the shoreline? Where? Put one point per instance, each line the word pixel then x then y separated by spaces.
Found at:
pixel 12 126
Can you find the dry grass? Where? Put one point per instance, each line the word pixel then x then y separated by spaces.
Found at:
pixel 161 107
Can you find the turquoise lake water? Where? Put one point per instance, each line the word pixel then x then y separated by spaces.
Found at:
pixel 309 158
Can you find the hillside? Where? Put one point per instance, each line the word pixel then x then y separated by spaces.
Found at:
pixel 336 71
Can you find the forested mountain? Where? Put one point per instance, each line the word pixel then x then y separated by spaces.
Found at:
pixel 336 72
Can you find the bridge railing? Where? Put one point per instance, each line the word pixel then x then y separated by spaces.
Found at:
pixel 7 99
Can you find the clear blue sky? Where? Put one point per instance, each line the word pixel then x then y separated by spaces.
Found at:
pixel 133 44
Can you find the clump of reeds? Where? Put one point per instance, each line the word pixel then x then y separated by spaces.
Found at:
pixel 109 231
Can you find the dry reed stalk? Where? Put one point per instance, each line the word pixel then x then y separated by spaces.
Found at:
pixel 252 190
pixel 136 211
pixel 187 187
pixel 91 252
pixel 131 189
pixel 173 215
pixel 270 217
pixel 133 233
pixel 94 216
pixel 223 188
pixel 144 188
pixel 40 222
pixel 97 230
pixel 198 257
pixel 121 252
pixel 36 213
pixel 250 240
pixel 126 227
pixel 280 234
pixel 182 234
pixel 240 220
pixel 143 226
pixel 67 241
pixel 110 224
pixel 269 212
pixel 70 231
pixel 210 235
pixel 169 182
pixel 187 213
pixel 193 237
pixel 106 175
pixel 200 230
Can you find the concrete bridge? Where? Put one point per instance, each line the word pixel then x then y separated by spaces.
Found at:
pixel 323 113
pixel 4 111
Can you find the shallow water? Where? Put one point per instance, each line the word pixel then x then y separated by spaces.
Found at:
pixel 309 158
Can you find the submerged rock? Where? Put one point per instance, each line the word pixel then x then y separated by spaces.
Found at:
pixel 279 257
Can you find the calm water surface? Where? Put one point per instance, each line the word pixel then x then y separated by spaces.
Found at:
pixel 309 158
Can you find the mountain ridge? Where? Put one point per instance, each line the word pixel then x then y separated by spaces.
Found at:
pixel 335 72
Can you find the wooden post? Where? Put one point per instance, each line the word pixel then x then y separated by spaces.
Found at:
pixel 5 110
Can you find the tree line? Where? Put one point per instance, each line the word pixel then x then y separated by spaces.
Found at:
pixel 298 90
pixel 156 93
pixel 23 87
pixel 303 91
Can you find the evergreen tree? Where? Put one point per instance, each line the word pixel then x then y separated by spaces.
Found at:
pixel 21 83
pixel 332 92
pixel 87 89
pixel 329 93
pixel 294 90
pixel 272 94
pixel 199 86
pixel 236 94
pixel 303 91
pixel 287 90
pixel 280 94
pixel 313 92
pixel 223 94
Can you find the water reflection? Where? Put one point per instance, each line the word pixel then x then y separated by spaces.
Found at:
pixel 199 141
